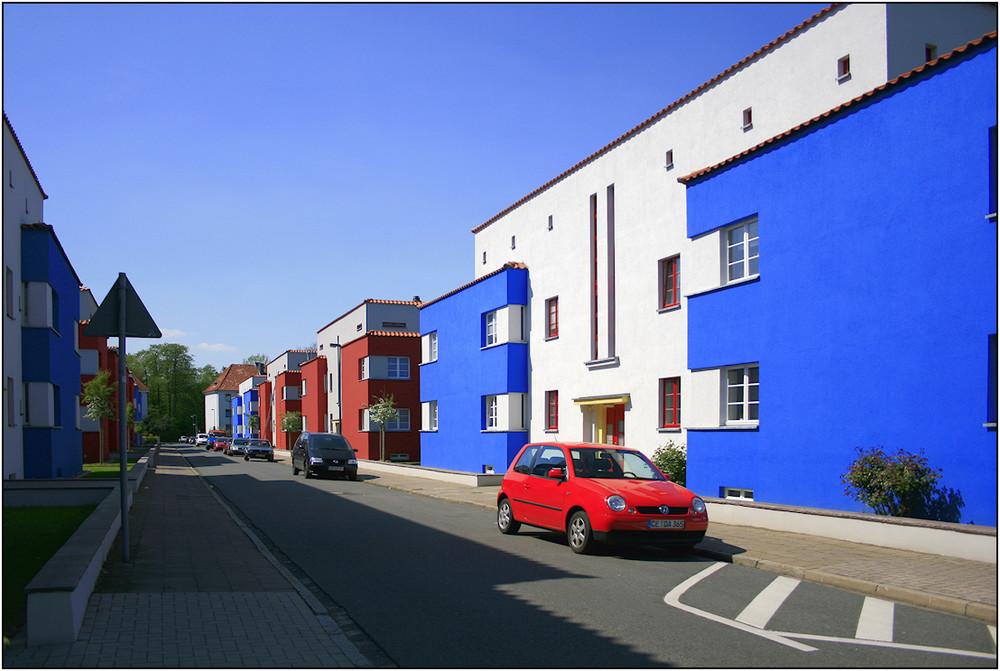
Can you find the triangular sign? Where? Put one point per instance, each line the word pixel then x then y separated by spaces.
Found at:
pixel 138 322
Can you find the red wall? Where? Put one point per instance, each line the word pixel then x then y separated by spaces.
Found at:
pixel 356 394
pixel 264 411
pixel 293 378
pixel 314 402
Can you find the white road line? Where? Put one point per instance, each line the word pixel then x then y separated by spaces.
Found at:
pixel 673 599
pixel 875 622
pixel 993 632
pixel 763 607
pixel 890 645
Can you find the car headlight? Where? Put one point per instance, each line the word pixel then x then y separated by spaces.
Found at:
pixel 616 503
pixel 697 505
pixel 352 462
pixel 315 460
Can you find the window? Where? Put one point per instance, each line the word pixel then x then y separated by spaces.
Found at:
pixel 363 369
pixel 399 368
pixel 9 292
pixel 670 282
pixel 747 118
pixel 402 421
pixel 844 68
pixel 552 411
pixel 930 52
pixel 669 160
pixel 670 402
pixel 11 402
pixel 550 222
pixel 491 328
pixel 742 394
pixel 484 258
pixel 552 318
pixel 429 347
pixel 303 387
pixel 513 243
pixel 742 251
pixel 523 464
pixel 429 410
pixel 737 493
pixel 492 413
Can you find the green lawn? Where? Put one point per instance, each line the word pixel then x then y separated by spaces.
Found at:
pixel 30 537
pixel 107 469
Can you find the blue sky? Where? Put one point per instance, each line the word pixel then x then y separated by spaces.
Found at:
pixel 258 170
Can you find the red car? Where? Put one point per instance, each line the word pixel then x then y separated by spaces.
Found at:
pixel 222 444
pixel 595 492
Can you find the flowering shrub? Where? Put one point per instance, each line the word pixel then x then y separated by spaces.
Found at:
pixel 672 460
pixel 901 485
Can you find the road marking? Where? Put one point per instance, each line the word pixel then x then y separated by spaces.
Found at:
pixel 993 632
pixel 787 638
pixel 763 607
pixel 673 599
pixel 875 622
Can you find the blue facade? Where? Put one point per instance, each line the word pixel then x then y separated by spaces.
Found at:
pixel 872 317
pixel 466 372
pixel 246 401
pixel 53 448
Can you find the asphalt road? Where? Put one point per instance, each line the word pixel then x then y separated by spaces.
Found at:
pixel 434 584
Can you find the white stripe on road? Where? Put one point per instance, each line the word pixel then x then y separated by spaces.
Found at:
pixel 760 611
pixel 875 622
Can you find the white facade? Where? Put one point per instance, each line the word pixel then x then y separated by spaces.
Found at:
pixel 218 410
pixel 371 315
pixel 607 223
pixel 288 360
pixel 23 200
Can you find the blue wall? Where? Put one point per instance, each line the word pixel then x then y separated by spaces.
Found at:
pixel 876 299
pixel 464 373
pixel 49 355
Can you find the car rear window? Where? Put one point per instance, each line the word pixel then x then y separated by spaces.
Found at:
pixel 328 442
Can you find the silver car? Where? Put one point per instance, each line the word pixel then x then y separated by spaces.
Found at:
pixel 238 446
pixel 258 448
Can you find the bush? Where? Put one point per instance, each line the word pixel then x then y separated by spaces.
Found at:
pixel 672 460
pixel 902 485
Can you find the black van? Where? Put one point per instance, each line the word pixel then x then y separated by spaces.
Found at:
pixel 324 454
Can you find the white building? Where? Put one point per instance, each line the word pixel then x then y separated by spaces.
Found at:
pixel 23 200
pixel 606 244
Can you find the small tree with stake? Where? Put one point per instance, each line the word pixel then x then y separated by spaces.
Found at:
pixel 291 423
pixel 98 396
pixel 382 411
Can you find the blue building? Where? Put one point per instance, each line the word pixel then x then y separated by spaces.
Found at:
pixel 53 444
pixel 850 296
pixel 474 373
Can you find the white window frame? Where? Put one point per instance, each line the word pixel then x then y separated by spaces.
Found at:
pixel 398 368
pixel 743 238
pixel 429 415
pixel 741 395
pixel 492 336
pixel 429 347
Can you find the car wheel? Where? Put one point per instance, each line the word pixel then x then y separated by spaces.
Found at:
pixel 305 472
pixel 578 533
pixel 295 471
pixel 271 458
pixel 505 518
pixel 352 477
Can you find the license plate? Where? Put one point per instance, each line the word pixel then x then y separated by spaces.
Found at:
pixel 665 524
pixel 336 468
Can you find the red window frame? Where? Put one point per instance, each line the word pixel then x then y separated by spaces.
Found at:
pixel 670 282
pixel 552 410
pixel 670 402
pixel 552 317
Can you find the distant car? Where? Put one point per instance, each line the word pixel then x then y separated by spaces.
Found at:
pixel 183 439
pixel 324 454
pixel 238 446
pixel 221 444
pixel 594 492
pixel 201 439
pixel 258 448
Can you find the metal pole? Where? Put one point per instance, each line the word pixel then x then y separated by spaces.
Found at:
pixel 122 420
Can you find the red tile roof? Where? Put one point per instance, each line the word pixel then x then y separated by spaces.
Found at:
pixel 364 302
pixel 666 110
pixel 509 264
pixel 231 378
pixel 984 42
pixel 399 334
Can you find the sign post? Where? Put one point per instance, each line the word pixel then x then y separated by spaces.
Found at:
pixel 122 313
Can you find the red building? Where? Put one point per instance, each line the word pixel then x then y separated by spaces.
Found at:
pixel 374 366
pixel 314 395
pixel 287 398
pixel 94 358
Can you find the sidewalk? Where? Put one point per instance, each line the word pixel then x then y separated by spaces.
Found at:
pixel 202 591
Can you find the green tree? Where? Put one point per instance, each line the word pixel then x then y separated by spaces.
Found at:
pixel 254 425
pixel 256 358
pixel 291 424
pixel 671 459
pixel 98 396
pixel 383 411
pixel 901 485
pixel 175 386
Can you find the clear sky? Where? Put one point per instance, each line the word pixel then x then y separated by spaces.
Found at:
pixel 258 170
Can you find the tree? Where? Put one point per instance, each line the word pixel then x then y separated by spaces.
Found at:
pixel 175 385
pixel 254 424
pixel 382 411
pixel 902 485
pixel 291 423
pixel 98 396
pixel 256 358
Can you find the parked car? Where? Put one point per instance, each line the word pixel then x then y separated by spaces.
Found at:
pixel 221 444
pixel 201 439
pixel 258 448
pixel 183 439
pixel 237 446
pixel 595 492
pixel 324 454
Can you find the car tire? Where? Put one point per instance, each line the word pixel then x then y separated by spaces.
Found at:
pixel 305 472
pixel 352 477
pixel 578 533
pixel 505 518
pixel 270 458
pixel 295 471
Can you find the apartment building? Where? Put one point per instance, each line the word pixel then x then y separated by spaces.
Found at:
pixel 841 294
pixel 606 241
pixel 220 394
pixel 280 394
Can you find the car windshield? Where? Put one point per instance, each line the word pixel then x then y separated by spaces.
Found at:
pixel 240 441
pixel 326 443
pixel 611 463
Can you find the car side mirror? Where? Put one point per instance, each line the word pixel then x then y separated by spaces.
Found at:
pixel 556 474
